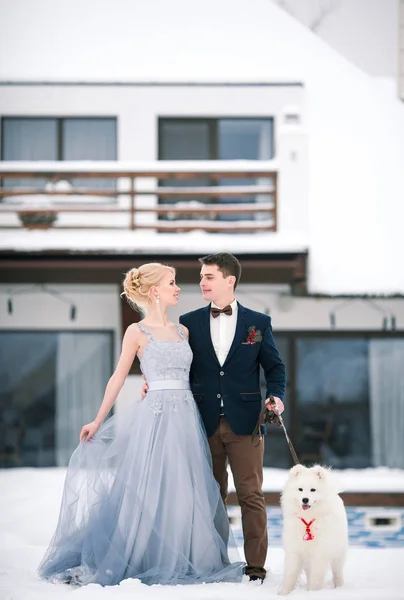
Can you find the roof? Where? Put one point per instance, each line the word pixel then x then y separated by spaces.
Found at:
pixel 158 40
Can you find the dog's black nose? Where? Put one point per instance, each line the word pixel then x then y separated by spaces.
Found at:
pixel 305 500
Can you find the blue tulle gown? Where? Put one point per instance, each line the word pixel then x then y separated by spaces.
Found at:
pixel 140 500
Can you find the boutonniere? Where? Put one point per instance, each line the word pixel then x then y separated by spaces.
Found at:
pixel 254 336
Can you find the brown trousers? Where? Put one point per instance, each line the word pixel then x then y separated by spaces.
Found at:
pixel 246 463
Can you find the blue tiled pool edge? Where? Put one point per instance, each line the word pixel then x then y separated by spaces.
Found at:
pixel 361 528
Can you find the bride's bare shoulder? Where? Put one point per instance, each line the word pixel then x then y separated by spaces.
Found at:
pixel 133 331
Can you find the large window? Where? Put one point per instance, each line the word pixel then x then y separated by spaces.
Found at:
pixel 217 139
pixel 277 454
pixel 51 384
pixel 26 138
pixel 344 403
pixel 333 408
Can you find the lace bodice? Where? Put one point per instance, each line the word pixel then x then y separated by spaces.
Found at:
pixel 166 359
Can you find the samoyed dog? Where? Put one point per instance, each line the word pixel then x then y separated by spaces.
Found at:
pixel 315 528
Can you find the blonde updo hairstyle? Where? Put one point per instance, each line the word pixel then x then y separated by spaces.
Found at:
pixel 138 282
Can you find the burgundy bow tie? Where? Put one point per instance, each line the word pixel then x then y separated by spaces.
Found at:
pixel 215 312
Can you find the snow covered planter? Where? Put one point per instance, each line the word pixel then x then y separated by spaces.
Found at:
pixel 46 217
pixel 37 220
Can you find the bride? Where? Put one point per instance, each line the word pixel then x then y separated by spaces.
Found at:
pixel 140 501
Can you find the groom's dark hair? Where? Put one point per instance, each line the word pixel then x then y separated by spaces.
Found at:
pixel 226 263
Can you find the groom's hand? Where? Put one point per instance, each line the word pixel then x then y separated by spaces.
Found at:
pixel 145 387
pixel 279 404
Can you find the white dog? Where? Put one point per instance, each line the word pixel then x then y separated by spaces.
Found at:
pixel 315 528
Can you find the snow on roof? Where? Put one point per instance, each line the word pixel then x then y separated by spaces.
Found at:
pixel 178 166
pixel 226 40
pixel 134 242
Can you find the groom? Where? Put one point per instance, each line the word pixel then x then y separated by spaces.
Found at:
pixel 229 343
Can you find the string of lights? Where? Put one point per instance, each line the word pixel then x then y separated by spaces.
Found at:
pixel 42 288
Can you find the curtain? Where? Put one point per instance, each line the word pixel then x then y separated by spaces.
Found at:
pixel 250 139
pixel 83 367
pixel 90 139
pixel 21 356
pixel 27 369
pixel 29 139
pixel 39 138
pixel 386 382
pixel 183 140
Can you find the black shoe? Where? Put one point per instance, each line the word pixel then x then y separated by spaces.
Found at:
pixel 257 578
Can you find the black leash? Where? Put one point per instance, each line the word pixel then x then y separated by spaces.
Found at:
pixel 273 417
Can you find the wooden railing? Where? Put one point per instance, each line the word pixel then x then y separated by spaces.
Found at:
pixel 137 195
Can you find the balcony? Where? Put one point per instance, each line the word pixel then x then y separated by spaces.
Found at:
pixel 162 196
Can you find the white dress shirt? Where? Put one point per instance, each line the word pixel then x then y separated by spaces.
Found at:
pixel 222 331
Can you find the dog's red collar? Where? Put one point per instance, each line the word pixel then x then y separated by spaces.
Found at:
pixel 308 535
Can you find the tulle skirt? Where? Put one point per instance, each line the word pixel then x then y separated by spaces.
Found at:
pixel 140 501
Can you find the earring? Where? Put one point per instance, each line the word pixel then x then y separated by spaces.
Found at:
pixel 158 300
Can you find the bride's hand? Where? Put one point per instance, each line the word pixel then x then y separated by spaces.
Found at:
pixel 89 430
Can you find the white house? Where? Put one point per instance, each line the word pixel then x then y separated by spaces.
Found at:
pixel 140 89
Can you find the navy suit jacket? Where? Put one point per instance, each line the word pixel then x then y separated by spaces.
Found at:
pixel 237 382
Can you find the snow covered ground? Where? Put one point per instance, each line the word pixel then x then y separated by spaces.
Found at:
pixel 29 504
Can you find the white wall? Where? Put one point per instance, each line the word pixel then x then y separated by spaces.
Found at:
pixel 290 313
pixel 138 107
pixel 98 307
pixel 137 110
